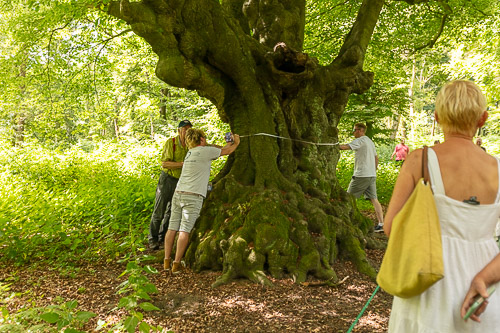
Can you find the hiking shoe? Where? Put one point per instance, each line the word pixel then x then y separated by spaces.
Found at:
pixel 166 264
pixel 154 245
pixel 178 267
pixel 379 228
pixel 161 245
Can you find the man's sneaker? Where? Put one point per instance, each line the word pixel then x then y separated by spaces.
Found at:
pixel 154 245
pixel 379 228
pixel 177 267
pixel 166 264
pixel 161 245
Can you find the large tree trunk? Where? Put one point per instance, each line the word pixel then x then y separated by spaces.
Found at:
pixel 276 207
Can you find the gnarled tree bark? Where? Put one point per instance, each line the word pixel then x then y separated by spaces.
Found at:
pixel 276 207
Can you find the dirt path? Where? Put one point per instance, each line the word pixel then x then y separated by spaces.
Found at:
pixel 189 304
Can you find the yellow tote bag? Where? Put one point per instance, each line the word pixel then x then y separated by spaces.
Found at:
pixel 413 260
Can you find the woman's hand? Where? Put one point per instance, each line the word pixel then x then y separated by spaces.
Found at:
pixel 477 288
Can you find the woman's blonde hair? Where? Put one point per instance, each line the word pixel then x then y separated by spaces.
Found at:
pixel 193 137
pixel 459 106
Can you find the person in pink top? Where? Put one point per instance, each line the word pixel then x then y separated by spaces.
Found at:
pixel 401 150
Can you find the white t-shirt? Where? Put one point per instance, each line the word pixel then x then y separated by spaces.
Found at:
pixel 196 169
pixel 364 157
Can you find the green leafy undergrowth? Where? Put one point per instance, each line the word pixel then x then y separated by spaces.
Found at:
pixel 137 289
pixel 62 317
pixel 73 204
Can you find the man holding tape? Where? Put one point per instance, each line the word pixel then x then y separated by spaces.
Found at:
pixel 365 170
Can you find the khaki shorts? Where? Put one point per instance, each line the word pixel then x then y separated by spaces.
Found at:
pixel 363 185
pixel 185 210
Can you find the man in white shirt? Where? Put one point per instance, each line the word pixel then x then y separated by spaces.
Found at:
pixel 365 170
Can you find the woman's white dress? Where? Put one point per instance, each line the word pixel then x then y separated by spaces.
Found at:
pixel 468 245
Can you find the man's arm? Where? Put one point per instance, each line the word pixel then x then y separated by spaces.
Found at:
pixel 167 157
pixel 230 146
pixel 345 147
pixel 171 165
pixel 376 162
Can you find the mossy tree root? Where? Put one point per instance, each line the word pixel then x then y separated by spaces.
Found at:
pixel 248 234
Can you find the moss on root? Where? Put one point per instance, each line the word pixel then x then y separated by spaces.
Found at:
pixel 276 233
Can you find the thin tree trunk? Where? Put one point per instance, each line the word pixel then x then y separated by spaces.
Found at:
pixel 412 105
pixel 163 103
pixel 395 126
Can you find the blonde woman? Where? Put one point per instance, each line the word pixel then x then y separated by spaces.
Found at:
pixel 190 192
pixel 465 183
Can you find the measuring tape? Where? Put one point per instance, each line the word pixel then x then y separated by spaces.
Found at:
pixel 282 137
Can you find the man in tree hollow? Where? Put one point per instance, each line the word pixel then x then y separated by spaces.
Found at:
pixel 172 159
pixel 365 170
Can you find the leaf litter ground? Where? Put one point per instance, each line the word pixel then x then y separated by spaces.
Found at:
pixel 188 303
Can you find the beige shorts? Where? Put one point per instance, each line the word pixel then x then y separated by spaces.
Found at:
pixel 185 211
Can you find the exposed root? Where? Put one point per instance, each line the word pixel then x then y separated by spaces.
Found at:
pixel 331 282
pixel 274 233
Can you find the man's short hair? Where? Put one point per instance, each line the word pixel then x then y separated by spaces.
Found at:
pixel 193 137
pixel 459 106
pixel 184 123
pixel 361 126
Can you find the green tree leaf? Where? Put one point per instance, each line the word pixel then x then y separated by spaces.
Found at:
pixel 71 304
pixel 150 269
pixel 50 317
pixel 146 306
pixel 85 315
pixel 144 327
pixel 127 302
pixel 131 323
pixel 149 288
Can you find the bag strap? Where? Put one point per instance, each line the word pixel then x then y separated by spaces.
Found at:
pixel 173 141
pixel 497 199
pixel 425 169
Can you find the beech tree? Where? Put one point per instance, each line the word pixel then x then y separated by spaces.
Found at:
pixel 276 206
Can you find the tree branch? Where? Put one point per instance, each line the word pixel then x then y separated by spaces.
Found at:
pixel 326 11
pixel 48 57
pixel 103 45
pixel 199 45
pixel 473 5
pixel 414 2
pixel 277 21
pixel 235 8
pixel 354 48
pixel 436 37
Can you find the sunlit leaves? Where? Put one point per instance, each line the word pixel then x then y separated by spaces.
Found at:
pixel 60 204
pixel 78 73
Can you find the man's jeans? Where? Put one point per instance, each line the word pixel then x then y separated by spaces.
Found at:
pixel 163 202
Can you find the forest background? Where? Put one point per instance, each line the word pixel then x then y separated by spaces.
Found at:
pixel 83 117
